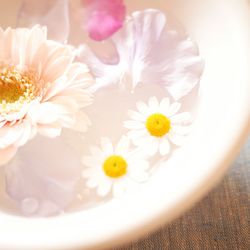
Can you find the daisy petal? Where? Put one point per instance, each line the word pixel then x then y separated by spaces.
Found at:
pixel 133 125
pixel 164 147
pixel 164 105
pixel 119 188
pixel 182 118
pixel 177 139
pixel 122 146
pixel 92 183
pixel 181 130
pixel 142 107
pixel 173 109
pixel 150 147
pixel 104 188
pixel 107 146
pixel 139 175
pixel 153 104
pixel 135 134
pixel 49 131
pixel 136 116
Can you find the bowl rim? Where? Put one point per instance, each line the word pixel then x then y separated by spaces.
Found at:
pixel 23 233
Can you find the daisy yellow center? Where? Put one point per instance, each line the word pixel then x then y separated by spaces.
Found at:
pixel 158 125
pixel 115 166
pixel 16 88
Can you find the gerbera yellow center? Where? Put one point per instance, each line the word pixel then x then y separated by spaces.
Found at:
pixel 16 88
pixel 115 166
pixel 158 124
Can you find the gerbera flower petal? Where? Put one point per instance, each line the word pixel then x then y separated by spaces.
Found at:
pixel 49 131
pixel 41 89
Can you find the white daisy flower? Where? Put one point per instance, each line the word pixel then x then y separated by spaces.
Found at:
pixel 154 126
pixel 114 169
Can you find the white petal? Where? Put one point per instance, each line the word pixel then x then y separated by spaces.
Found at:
pixel 173 109
pixel 164 105
pixel 119 187
pixel 133 125
pixel 164 147
pixel 136 116
pixel 182 118
pixel 181 130
pixel 50 131
pixel 105 74
pixel 153 104
pixel 148 144
pixel 139 175
pixel 17 134
pixel 135 134
pixel 104 187
pixel 123 146
pixel 177 139
pixel 107 146
pixel 142 107
pixel 138 164
pixel 96 151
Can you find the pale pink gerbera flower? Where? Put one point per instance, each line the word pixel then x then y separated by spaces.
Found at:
pixel 41 89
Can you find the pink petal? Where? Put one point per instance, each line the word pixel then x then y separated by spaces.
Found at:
pixel 51 60
pixel 77 76
pixel 17 134
pixel 104 17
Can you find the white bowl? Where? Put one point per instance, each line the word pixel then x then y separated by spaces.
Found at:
pixel 221 30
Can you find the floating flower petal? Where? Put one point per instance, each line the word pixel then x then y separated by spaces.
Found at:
pixel 104 17
pixel 150 52
pixel 42 183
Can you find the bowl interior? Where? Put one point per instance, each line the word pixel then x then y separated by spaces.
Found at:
pixel 220 126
